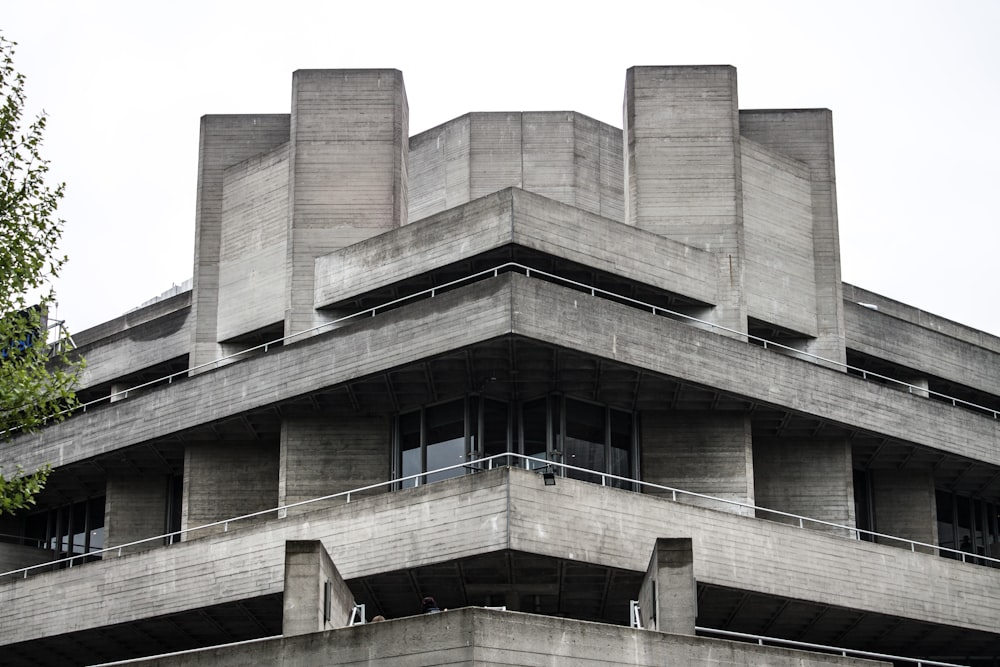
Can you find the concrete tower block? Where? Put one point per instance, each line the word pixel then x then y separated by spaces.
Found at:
pixel 683 175
pixel 668 597
pixel 347 171
pixel 561 155
pixel 807 135
pixel 224 141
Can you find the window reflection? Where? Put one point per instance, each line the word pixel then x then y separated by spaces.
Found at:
pixel 550 428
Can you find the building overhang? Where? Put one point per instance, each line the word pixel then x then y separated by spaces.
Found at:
pixel 580 548
pixel 517 336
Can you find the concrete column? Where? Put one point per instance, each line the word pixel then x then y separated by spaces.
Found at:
pixel 808 477
pixel 668 597
pixel 227 479
pixel 316 597
pixel 807 135
pixel 135 507
pixel 703 452
pixel 347 173
pixel 904 505
pixel 323 456
pixel 224 141
pixel 683 177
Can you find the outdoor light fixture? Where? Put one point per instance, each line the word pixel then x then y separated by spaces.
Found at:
pixel 550 477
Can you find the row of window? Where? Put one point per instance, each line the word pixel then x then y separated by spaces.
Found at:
pixel 552 428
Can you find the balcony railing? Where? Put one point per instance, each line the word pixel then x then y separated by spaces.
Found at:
pixel 530 463
pixel 528 271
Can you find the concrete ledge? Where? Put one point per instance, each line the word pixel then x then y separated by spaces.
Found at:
pixel 474 636
pixel 492 512
pixel 514 216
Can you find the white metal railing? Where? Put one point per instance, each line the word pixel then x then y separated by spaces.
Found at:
pixel 845 652
pixel 528 271
pixel 488 463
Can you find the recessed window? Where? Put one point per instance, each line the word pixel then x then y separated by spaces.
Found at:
pixel 444 440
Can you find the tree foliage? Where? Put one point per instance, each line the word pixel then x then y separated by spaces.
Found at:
pixel 37 379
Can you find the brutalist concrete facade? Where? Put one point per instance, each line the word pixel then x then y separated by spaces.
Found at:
pixel 558 366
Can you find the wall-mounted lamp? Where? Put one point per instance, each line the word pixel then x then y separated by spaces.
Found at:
pixel 550 477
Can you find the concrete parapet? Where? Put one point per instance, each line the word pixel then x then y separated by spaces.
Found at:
pixel 474 636
pixel 315 595
pixel 668 599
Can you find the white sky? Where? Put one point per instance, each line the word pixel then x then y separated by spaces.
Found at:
pixel 914 88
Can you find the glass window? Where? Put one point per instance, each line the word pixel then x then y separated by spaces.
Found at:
pixel 445 426
pixel 946 522
pixel 584 435
pixel 496 429
pixel 409 447
pixel 534 430
pixel 584 443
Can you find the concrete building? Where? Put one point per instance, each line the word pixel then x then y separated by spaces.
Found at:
pixel 600 391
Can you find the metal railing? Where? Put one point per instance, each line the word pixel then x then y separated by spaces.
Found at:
pixel 845 652
pixel 527 271
pixel 500 460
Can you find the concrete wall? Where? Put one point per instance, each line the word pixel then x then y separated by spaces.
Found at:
pixel 806 135
pixel 561 155
pixel 348 171
pixel 135 508
pixel 475 636
pixel 324 456
pixel 227 479
pixel 683 169
pixel 709 453
pixel 812 478
pixel 778 230
pixel 253 246
pixel 904 505
pixel 224 141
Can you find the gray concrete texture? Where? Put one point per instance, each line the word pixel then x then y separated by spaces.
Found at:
pixel 484 638
pixel 489 512
pixel 515 304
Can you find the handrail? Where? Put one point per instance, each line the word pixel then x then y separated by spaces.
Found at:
pixel 760 639
pixel 281 511
pixel 495 271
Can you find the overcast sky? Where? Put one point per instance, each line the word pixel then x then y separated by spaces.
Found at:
pixel 914 88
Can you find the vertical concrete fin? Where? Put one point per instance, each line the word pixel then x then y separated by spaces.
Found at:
pixel 347 172
pixel 668 599
pixel 316 597
pixel 224 141
pixel 807 135
pixel 683 173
